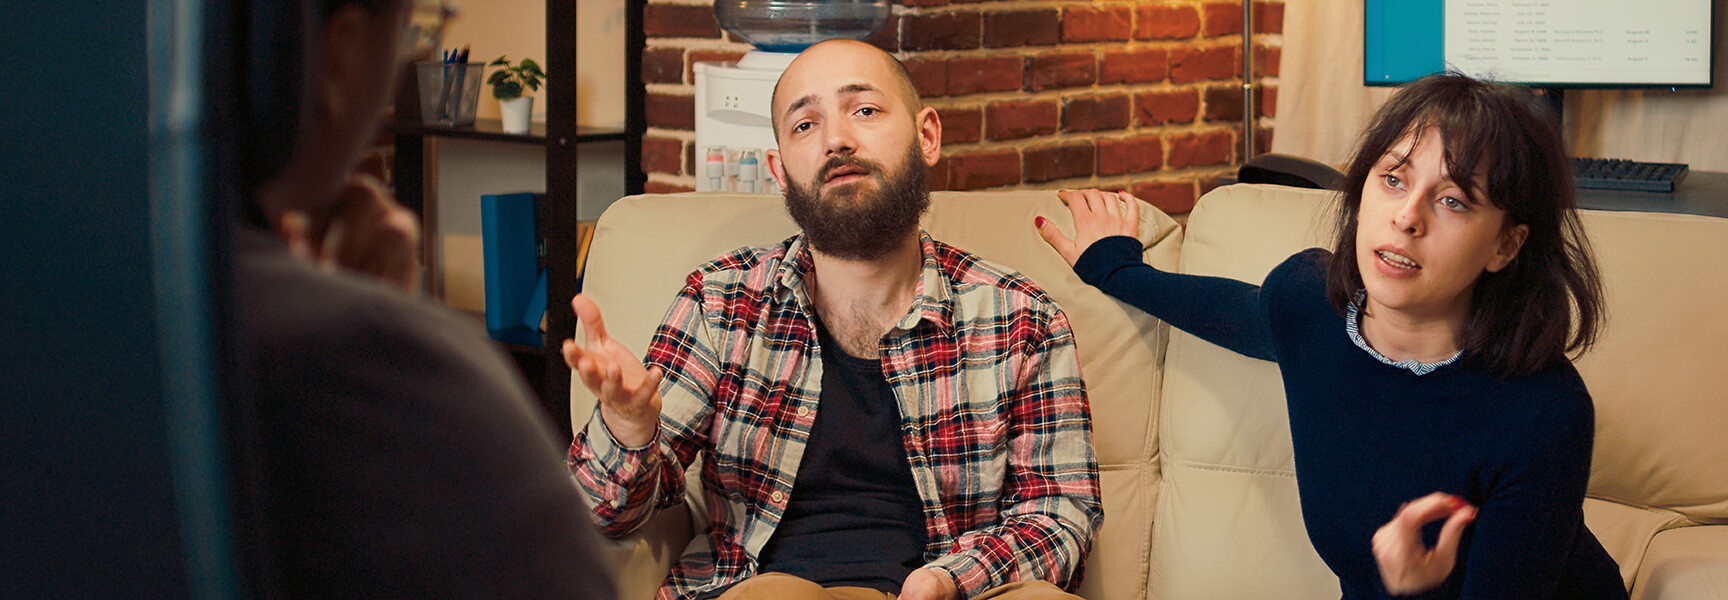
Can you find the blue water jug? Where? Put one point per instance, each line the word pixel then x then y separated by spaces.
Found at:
pixel 793 25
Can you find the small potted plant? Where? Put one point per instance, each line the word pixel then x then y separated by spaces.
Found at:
pixel 508 85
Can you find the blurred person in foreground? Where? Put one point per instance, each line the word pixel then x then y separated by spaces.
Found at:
pixel 402 454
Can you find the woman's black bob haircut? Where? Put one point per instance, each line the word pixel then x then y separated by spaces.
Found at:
pixel 1546 304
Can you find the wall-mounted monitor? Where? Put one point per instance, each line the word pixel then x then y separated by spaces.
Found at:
pixel 1547 43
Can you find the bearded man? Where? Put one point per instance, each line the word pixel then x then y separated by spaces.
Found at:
pixel 880 414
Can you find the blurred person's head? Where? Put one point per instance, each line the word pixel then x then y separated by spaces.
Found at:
pixel 309 126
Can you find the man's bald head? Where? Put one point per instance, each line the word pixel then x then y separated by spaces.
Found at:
pixel 831 55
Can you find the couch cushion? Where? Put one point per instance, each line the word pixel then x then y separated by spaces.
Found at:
pixel 1625 531
pixel 1688 563
pixel 1228 522
pixel 644 246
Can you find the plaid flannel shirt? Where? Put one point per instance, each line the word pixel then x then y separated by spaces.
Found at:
pixel 996 425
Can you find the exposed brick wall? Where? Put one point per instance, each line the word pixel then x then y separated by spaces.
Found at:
pixel 1143 95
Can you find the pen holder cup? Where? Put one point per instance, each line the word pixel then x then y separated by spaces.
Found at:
pixel 449 93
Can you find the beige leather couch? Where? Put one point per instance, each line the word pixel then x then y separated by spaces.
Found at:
pixel 1193 442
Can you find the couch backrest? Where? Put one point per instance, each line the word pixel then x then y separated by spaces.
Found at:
pixel 1229 522
pixel 1659 375
pixel 644 246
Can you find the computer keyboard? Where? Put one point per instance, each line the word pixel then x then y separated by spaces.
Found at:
pixel 1620 174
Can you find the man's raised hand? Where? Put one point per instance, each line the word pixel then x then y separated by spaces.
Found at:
pixel 629 394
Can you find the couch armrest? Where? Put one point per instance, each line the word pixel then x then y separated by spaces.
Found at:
pixel 639 562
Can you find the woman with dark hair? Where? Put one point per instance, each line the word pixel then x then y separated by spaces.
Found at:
pixel 1425 356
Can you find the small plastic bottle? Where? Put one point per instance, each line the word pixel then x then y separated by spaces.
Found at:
pixel 716 168
pixel 748 171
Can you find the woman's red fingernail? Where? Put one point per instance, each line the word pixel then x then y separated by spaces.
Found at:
pixel 1038 222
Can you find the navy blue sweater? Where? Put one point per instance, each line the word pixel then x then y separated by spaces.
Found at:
pixel 1369 436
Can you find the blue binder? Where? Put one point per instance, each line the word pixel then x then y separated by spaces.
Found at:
pixel 515 281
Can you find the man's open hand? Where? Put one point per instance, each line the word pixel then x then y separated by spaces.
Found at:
pixel 629 395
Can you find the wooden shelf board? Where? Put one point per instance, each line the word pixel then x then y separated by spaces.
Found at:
pixel 493 130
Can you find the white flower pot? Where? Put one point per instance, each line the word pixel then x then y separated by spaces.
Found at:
pixel 515 113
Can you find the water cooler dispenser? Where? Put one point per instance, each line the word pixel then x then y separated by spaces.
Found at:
pixel 733 131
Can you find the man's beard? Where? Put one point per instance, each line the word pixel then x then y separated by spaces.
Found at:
pixel 860 224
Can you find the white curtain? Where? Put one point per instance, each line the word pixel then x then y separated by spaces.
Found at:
pixel 1323 106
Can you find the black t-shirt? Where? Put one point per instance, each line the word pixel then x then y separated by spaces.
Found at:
pixel 855 518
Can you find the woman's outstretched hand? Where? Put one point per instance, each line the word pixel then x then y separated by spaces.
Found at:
pixel 1097 215
pixel 1407 566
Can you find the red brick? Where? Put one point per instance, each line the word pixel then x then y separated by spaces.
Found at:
pixel 1223 103
pixel 1189 64
pixel 1269 17
pixel 1222 19
pixel 662 155
pixel 663 65
pixel 713 56
pixel 929 76
pixel 888 37
pixel 939 175
pixel 961 125
pixel 1022 28
pixel 916 3
pixel 1259 103
pixel 1160 22
pixel 1206 183
pixel 1062 70
pixel 975 170
pixel 1266 61
pixel 1262 140
pixel 657 187
pixel 1138 154
pixel 1097 112
pixel 670 112
pixel 679 21
pixel 975 74
pixel 1066 161
pixel 1097 23
pixel 1158 108
pixel 1269 101
pixel 1172 197
pixel 690 158
pixel 942 31
pixel 1013 120
pixel 1142 65
pixel 1200 149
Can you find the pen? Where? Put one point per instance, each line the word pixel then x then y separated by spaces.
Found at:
pixel 456 92
pixel 444 89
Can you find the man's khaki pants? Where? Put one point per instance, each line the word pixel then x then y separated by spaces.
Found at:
pixel 778 586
